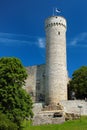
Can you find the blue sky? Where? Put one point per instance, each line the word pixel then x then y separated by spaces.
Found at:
pixel 22 33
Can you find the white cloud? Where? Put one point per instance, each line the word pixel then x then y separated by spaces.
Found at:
pixel 80 40
pixel 10 35
pixel 41 42
pixel 8 39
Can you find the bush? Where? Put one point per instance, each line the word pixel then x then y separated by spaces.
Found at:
pixel 6 124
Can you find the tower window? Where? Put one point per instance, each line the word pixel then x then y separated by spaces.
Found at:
pixel 58 33
pixel 37 86
pixel 57 24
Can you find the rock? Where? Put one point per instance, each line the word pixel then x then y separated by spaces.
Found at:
pixel 71 116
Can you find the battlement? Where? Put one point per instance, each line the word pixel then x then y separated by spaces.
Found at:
pixel 55 21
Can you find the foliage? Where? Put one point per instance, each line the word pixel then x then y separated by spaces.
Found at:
pixel 6 124
pixel 69 125
pixel 14 101
pixel 78 84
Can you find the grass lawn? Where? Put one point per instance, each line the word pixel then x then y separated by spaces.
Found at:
pixel 69 125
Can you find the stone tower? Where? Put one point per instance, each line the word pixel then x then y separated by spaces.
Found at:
pixel 56 68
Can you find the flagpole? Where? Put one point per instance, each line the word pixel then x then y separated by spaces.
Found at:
pixel 53 11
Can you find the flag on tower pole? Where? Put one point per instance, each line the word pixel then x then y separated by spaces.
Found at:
pixel 58 11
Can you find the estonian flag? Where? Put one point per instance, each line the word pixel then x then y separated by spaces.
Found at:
pixel 57 10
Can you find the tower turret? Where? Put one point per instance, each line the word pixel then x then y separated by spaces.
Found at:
pixel 56 68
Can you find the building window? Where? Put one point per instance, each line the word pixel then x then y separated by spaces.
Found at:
pixel 43 75
pixel 58 33
pixel 41 97
pixel 38 86
pixel 57 24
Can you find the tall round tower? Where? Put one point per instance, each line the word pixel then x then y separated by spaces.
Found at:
pixel 56 68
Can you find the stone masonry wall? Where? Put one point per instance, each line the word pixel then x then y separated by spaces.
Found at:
pixel 30 85
pixel 35 83
pixel 72 106
pixel 56 70
pixel 69 106
pixel 40 83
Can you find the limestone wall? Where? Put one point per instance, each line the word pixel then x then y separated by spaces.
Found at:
pixel 46 117
pixel 56 70
pixel 71 106
pixel 40 83
pixel 37 108
pixel 31 81
pixel 35 83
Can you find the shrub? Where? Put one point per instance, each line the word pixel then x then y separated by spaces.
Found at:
pixel 6 124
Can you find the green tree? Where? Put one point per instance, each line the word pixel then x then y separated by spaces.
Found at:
pixel 14 101
pixel 78 84
pixel 6 124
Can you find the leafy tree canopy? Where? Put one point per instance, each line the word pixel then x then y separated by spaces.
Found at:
pixel 78 84
pixel 14 101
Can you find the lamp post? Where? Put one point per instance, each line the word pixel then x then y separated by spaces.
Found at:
pixel 80 111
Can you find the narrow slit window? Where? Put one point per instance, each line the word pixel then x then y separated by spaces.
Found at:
pixel 58 33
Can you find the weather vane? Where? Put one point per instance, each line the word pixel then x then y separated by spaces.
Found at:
pixel 55 10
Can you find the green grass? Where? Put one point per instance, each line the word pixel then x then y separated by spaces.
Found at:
pixel 69 125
